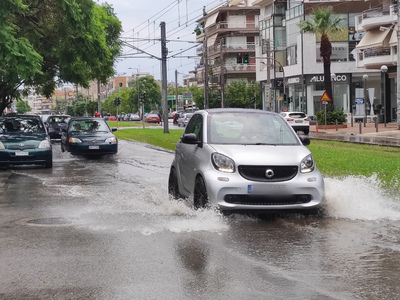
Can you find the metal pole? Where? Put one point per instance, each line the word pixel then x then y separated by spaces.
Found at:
pixel 164 52
pixel 176 90
pixel 98 97
pixel 206 101
pixel 398 65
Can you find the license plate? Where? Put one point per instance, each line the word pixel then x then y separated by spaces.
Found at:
pixel 22 153
pixel 94 147
pixel 266 189
pixel 298 121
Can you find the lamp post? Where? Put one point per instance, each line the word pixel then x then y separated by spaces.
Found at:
pixel 365 78
pixel 384 70
pixel 333 79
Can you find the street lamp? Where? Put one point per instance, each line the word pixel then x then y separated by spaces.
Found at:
pixel 384 69
pixel 365 78
pixel 333 78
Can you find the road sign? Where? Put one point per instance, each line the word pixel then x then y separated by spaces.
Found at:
pixel 325 97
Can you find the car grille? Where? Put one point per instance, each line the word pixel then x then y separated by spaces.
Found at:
pixel 94 141
pixel 268 199
pixel 19 147
pixel 258 173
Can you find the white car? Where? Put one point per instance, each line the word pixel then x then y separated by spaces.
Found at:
pixel 298 120
pixel 245 160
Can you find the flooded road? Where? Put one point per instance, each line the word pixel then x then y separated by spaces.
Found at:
pixel 106 229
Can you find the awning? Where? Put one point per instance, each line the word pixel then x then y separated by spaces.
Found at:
pixel 211 40
pixel 211 20
pixel 235 2
pixel 374 38
pixel 393 38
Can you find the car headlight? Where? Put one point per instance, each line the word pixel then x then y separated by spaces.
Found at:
pixel 2 146
pixel 74 140
pixel 223 163
pixel 44 144
pixel 111 140
pixel 307 164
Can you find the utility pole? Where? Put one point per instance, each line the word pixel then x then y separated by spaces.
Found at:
pixel 222 77
pixel 164 53
pixel 205 58
pixel 398 65
pixel 176 91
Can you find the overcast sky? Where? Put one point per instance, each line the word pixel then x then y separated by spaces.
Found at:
pixel 141 23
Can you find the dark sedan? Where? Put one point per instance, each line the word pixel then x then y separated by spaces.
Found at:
pixel 88 136
pixel 24 140
pixel 55 124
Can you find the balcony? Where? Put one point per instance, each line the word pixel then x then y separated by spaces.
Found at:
pixel 373 18
pixel 231 48
pixel 243 27
pixel 374 58
pixel 236 69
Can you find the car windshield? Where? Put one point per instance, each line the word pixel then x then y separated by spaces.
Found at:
pixel 297 115
pixel 249 128
pixel 58 119
pixel 88 126
pixel 21 125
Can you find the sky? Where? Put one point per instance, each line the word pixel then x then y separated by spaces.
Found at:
pixel 141 20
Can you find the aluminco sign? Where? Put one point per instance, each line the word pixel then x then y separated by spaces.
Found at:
pixel 338 78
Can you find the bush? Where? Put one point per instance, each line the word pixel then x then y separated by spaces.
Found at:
pixel 331 116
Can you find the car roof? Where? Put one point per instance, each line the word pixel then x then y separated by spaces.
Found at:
pixel 234 110
pixel 21 116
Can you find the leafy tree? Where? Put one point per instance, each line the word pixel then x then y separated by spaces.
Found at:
pixel 91 107
pixel 45 42
pixel 323 22
pixel 242 94
pixel 61 105
pixel 23 107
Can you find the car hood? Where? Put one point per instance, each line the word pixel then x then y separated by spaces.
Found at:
pixel 31 139
pixel 263 154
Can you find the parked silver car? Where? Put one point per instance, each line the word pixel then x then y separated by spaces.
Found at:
pixel 241 159
pixel 184 119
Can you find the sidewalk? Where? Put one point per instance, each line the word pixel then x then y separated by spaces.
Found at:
pixel 386 136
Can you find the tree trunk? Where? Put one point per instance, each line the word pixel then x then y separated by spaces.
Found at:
pixel 326 52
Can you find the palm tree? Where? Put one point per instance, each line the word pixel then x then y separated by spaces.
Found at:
pixel 323 22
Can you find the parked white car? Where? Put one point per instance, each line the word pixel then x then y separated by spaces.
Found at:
pixel 241 159
pixel 298 120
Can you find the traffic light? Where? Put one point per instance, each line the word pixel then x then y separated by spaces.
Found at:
pixel 239 58
pixel 143 97
pixel 245 58
pixel 284 99
pixel 117 101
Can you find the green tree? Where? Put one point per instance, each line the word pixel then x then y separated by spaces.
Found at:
pixel 45 42
pixel 242 94
pixel 61 105
pixel 323 22
pixel 23 107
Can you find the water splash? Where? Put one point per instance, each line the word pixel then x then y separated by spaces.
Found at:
pixel 360 198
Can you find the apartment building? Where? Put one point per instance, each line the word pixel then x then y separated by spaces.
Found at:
pixel 227 34
pixel 295 80
pixel 377 50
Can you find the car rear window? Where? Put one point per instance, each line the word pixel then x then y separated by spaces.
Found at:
pixel 298 115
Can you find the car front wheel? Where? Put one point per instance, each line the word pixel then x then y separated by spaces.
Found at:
pixel 173 188
pixel 200 197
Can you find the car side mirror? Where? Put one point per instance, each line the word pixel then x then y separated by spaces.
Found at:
pixel 190 138
pixel 305 140
pixel 113 129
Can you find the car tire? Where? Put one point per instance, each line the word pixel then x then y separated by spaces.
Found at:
pixel 306 132
pixel 48 164
pixel 173 187
pixel 200 197
pixel 62 147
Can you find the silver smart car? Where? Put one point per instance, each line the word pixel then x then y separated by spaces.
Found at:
pixel 245 160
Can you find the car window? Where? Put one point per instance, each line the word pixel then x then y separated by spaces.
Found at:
pixel 297 115
pixel 21 125
pixel 88 125
pixel 249 128
pixel 57 119
pixel 195 125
